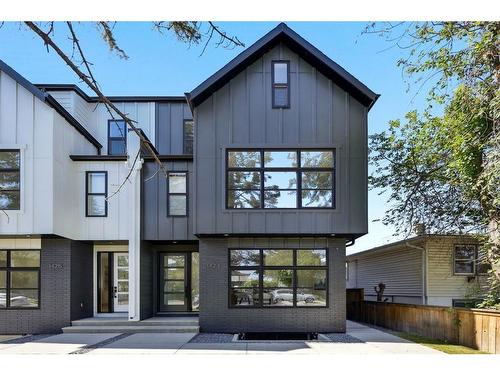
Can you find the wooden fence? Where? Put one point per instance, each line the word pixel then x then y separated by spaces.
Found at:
pixel 475 328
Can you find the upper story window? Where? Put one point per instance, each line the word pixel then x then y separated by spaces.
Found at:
pixel 117 137
pixel 281 84
pixel 96 194
pixel 177 194
pixel 278 278
pixel 19 279
pixel 188 131
pixel 287 179
pixel 10 180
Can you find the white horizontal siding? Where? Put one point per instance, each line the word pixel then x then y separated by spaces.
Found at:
pixel 443 285
pixel 400 269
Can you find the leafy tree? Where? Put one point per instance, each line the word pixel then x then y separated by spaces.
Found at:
pixel 444 170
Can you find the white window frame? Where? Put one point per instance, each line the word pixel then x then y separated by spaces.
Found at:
pixel 474 260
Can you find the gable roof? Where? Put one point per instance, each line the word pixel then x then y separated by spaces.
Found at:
pixel 51 102
pixel 309 53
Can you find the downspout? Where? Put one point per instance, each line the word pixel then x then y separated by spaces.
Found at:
pixel 424 269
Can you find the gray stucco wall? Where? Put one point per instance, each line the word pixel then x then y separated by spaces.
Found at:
pixel 216 316
pixel 240 115
pixel 156 224
pixel 169 127
pixel 57 284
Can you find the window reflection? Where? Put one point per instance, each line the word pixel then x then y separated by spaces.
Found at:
pixel 284 277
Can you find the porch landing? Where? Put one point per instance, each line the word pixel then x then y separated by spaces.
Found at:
pixel 171 324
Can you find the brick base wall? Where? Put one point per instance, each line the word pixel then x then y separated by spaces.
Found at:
pixel 216 316
pixel 55 288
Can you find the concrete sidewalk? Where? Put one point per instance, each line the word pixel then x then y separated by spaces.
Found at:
pixel 372 341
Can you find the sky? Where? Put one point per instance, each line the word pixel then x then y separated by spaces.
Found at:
pixel 159 64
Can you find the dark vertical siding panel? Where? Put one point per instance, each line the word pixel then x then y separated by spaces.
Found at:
pixel 256 83
pixel 323 105
pixel 240 114
pixel 290 125
pixel 206 157
pixel 357 165
pixel 239 119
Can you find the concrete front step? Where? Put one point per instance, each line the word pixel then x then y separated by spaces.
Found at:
pixel 137 328
pixel 169 322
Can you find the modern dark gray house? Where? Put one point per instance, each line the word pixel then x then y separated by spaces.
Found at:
pixel 266 186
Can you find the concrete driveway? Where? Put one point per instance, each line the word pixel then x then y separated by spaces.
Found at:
pixel 362 340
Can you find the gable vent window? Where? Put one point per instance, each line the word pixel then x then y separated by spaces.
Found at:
pixel 281 84
pixel 10 180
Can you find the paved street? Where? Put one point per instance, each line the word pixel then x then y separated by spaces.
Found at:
pixel 372 341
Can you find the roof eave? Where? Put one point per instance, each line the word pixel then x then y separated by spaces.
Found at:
pixel 282 33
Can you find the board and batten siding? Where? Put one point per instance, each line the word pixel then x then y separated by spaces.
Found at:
pixel 240 115
pixel 157 225
pixel 443 285
pixel 400 269
pixel 169 127
pixel 44 139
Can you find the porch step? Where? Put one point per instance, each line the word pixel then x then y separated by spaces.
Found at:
pixel 132 329
pixel 157 321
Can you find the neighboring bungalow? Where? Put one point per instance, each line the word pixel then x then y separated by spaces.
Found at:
pixel 443 270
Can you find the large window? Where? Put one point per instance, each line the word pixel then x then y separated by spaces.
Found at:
pixel 96 194
pixel 188 132
pixel 281 84
pixel 117 137
pixel 19 279
pixel 278 278
pixel 10 180
pixel 177 194
pixel 280 179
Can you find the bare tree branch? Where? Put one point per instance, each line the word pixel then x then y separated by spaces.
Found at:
pixel 92 84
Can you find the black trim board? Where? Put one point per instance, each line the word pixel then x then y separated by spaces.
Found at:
pixel 178 157
pixel 49 100
pixel 95 99
pixel 312 55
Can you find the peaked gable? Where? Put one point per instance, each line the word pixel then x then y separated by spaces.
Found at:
pixel 312 55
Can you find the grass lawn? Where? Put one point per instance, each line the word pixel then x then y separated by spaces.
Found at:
pixel 438 344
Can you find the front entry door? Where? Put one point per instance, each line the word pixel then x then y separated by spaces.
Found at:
pixel 175 285
pixel 120 282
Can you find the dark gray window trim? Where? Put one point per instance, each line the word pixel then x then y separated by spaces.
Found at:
pixel 274 85
pixel 294 268
pixel 9 269
pixel 297 169
pixel 184 140
pixel 124 138
pixel 474 260
pixel 13 170
pixel 105 194
pixel 186 194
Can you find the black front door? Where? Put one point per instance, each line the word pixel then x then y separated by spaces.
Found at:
pixel 175 282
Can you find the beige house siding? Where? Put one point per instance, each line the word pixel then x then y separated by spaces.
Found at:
pixel 443 285
pixel 399 268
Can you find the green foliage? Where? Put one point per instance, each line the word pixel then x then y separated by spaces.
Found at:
pixel 444 171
